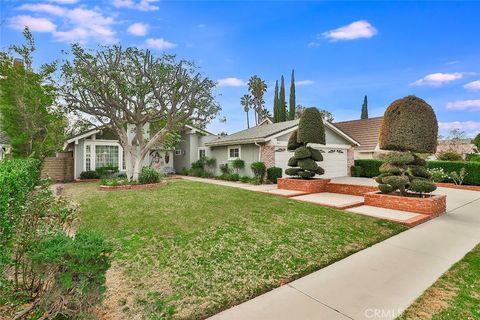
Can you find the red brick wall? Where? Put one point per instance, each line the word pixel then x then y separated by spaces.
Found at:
pixel 352 189
pixel 308 186
pixel 433 206
pixel 58 169
pixel 268 155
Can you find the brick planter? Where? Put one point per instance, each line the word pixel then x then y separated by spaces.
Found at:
pixel 307 186
pixel 133 186
pixel 454 186
pixel 351 189
pixel 432 205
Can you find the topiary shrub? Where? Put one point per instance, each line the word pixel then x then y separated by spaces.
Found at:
pixel 89 175
pixel 273 173
pixel 409 124
pixel 149 175
pixel 356 171
pixel 449 156
pixel 476 141
pixel 310 130
pixel 238 164
pixel 259 170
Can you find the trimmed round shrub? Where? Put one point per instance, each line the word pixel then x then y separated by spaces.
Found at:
pixel 259 170
pixel 292 171
pixel 292 162
pixel 302 153
pixel 419 171
pixel 396 181
pixel 396 157
pixel 238 164
pixel 306 174
pixel 356 171
pixel 89 175
pixel 308 164
pixel 148 175
pixel 234 177
pixel 292 141
pixel 379 178
pixel 316 154
pixel 273 173
pixel 385 188
pixel 422 186
pixel 310 128
pixel 449 156
pixel 390 169
pixel 320 171
pixel 417 161
pixel 409 124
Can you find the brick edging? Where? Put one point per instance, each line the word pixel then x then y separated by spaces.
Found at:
pixel 454 186
pixel 432 206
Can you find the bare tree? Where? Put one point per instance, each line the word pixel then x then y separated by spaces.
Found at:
pixel 128 89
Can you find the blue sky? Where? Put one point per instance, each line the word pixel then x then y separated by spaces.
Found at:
pixel 340 51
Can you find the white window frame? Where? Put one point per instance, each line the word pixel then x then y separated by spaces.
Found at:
pixel 239 152
pixel 201 149
pixel 178 152
pixel 93 144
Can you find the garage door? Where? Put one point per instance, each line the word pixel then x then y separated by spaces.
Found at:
pixel 334 160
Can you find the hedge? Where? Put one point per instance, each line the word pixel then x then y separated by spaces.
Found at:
pixel 17 178
pixel 370 168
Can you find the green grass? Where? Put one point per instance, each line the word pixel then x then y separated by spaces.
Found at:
pixel 190 250
pixel 456 295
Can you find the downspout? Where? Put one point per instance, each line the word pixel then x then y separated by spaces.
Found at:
pixel 259 149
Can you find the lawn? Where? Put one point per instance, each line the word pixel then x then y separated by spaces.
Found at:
pixel 456 295
pixel 190 250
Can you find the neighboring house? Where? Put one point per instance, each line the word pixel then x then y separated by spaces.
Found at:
pixel 366 132
pixel 4 145
pixel 267 142
pixel 100 147
pixel 462 147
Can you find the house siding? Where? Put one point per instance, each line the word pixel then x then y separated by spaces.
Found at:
pixel 249 153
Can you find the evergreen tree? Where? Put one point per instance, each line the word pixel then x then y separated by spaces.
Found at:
pixel 275 104
pixel 364 109
pixel 281 102
pixel 291 113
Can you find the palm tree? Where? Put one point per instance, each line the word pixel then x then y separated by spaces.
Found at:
pixel 257 88
pixel 246 101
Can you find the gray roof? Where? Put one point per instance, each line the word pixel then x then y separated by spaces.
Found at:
pixel 255 134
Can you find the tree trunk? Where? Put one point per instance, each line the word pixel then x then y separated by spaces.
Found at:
pixel 248 121
pixel 134 161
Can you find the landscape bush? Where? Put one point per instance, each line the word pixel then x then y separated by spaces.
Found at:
pixel 112 182
pixel 149 175
pixel 369 167
pixel 224 168
pixel 476 140
pixel 91 174
pixel 259 170
pixel 356 171
pixel 274 173
pixel 106 171
pixel 238 164
pixel 473 157
pixel 449 156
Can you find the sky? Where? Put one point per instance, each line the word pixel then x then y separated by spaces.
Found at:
pixel 340 51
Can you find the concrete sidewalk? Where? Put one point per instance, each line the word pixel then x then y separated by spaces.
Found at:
pixel 378 282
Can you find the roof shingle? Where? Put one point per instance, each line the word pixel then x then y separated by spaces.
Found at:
pixel 365 131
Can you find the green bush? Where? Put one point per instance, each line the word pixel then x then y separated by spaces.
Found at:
pixel 292 162
pixel 421 186
pixel 234 177
pixel 472 169
pixel 106 171
pixel 112 182
pixel 473 157
pixel 259 170
pixel 184 171
pixel 238 164
pixel 149 175
pixel 476 141
pixel 17 178
pixel 293 143
pixel 409 124
pixel 273 173
pixel 370 167
pixel 245 179
pixel 308 164
pixel 310 127
pixel 449 156
pixel 438 174
pixel 76 269
pixel 89 175
pixel 302 153
pixel 292 171
pixel 316 154
pixel 398 158
pixel 224 168
pixel 356 171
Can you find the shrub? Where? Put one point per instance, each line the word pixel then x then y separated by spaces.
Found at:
pixel 112 182
pixel 438 174
pixel 106 171
pixel 476 141
pixel 316 154
pixel 370 167
pixel 421 186
pixel 302 153
pixel 310 127
pixel 356 171
pixel 472 169
pixel 75 268
pixel 473 157
pixel 234 177
pixel 458 177
pixel 224 169
pixel 149 175
pixel 238 164
pixel 293 143
pixel 89 175
pixel 409 124
pixel 184 171
pixel 245 179
pixel 259 170
pixel 273 173
pixel 449 156
pixel 292 162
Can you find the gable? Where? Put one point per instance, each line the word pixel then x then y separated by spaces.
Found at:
pixel 331 137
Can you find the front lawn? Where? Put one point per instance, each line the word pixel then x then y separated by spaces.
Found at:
pixel 456 295
pixel 190 250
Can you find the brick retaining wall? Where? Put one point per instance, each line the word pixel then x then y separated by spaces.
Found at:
pixel 58 168
pixel 432 206
pixel 351 189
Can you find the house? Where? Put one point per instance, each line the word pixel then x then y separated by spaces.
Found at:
pixel 462 147
pixel 4 145
pixel 267 142
pixel 100 147
pixel 366 132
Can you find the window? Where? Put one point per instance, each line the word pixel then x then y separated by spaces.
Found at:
pixel 202 153
pixel 233 153
pixel 88 158
pixel 124 164
pixel 178 152
pixel 106 156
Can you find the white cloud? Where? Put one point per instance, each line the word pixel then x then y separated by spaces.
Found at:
pixel 231 82
pixel 437 79
pixel 304 82
pixel 138 29
pixel 464 125
pixel 64 1
pixel 142 5
pixel 355 30
pixel 474 85
pixel 471 105
pixel 35 24
pixel 159 43
pixel 78 24
pixel 453 62
pixel 313 44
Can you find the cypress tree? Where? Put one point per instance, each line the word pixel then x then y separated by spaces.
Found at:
pixel 364 109
pixel 275 103
pixel 291 113
pixel 281 102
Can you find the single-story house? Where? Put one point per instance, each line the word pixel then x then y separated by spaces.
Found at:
pixel 100 147
pixel 267 142
pixel 462 147
pixel 4 145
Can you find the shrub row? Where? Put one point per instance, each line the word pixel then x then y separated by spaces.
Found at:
pixel 370 168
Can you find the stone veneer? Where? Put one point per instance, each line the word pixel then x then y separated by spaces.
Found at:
pixel 308 186
pixel 431 205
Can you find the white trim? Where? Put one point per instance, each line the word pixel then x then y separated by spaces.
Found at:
pixel 264 121
pixel 82 136
pixel 178 152
pixel 340 132
pixel 239 152
pixel 198 152
pixel 199 130
pixel 93 144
